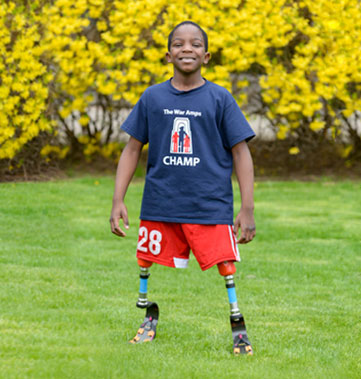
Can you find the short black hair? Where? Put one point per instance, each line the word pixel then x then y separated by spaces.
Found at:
pixel 204 34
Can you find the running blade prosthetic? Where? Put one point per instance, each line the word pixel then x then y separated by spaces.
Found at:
pixel 147 329
pixel 241 344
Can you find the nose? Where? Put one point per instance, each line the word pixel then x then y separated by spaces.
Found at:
pixel 187 47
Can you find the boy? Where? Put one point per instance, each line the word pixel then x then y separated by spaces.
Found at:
pixel 195 130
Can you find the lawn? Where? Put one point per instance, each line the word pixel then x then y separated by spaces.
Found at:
pixel 69 287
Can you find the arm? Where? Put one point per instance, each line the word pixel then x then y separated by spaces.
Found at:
pixel 244 171
pixel 125 171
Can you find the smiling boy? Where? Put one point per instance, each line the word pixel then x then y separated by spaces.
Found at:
pixel 196 134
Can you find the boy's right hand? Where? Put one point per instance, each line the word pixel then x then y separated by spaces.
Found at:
pixel 118 212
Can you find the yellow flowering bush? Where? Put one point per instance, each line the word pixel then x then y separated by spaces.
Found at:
pixel 314 82
pixel 81 63
pixel 23 80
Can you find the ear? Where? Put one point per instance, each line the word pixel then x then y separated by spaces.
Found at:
pixel 168 57
pixel 207 57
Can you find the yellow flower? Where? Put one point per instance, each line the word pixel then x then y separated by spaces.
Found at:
pixel 84 120
pixel 317 125
pixel 107 88
pixel 282 132
pixel 294 150
pixel 333 25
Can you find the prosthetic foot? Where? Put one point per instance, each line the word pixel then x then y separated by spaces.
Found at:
pixel 241 343
pixel 147 329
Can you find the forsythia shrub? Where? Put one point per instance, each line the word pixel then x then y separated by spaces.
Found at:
pixel 81 63
pixel 23 80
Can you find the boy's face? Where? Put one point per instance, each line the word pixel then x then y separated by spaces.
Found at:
pixel 187 50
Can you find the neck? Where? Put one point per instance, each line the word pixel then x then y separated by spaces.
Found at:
pixel 187 82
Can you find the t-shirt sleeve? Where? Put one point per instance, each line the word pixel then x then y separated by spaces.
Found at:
pixel 136 123
pixel 235 128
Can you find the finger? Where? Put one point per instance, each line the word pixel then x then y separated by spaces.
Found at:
pixel 242 239
pixel 247 234
pixel 111 225
pixel 250 234
pixel 114 225
pixel 125 220
pixel 119 232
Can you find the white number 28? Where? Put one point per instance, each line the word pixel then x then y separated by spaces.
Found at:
pixel 155 237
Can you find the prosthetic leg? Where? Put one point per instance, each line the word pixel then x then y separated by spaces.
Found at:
pixel 241 343
pixel 147 329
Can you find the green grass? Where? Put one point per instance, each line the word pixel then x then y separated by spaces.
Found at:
pixel 69 287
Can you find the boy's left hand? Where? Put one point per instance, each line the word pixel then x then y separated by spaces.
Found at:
pixel 245 222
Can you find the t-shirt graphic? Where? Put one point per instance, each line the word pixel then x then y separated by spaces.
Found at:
pixel 181 139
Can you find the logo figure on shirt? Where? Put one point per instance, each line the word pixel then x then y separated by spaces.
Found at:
pixel 181 140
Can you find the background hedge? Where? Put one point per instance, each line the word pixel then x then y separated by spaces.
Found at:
pixel 70 71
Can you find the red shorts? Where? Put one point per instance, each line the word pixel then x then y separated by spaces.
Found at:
pixel 168 243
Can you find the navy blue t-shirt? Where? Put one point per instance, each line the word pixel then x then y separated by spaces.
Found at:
pixel 190 135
